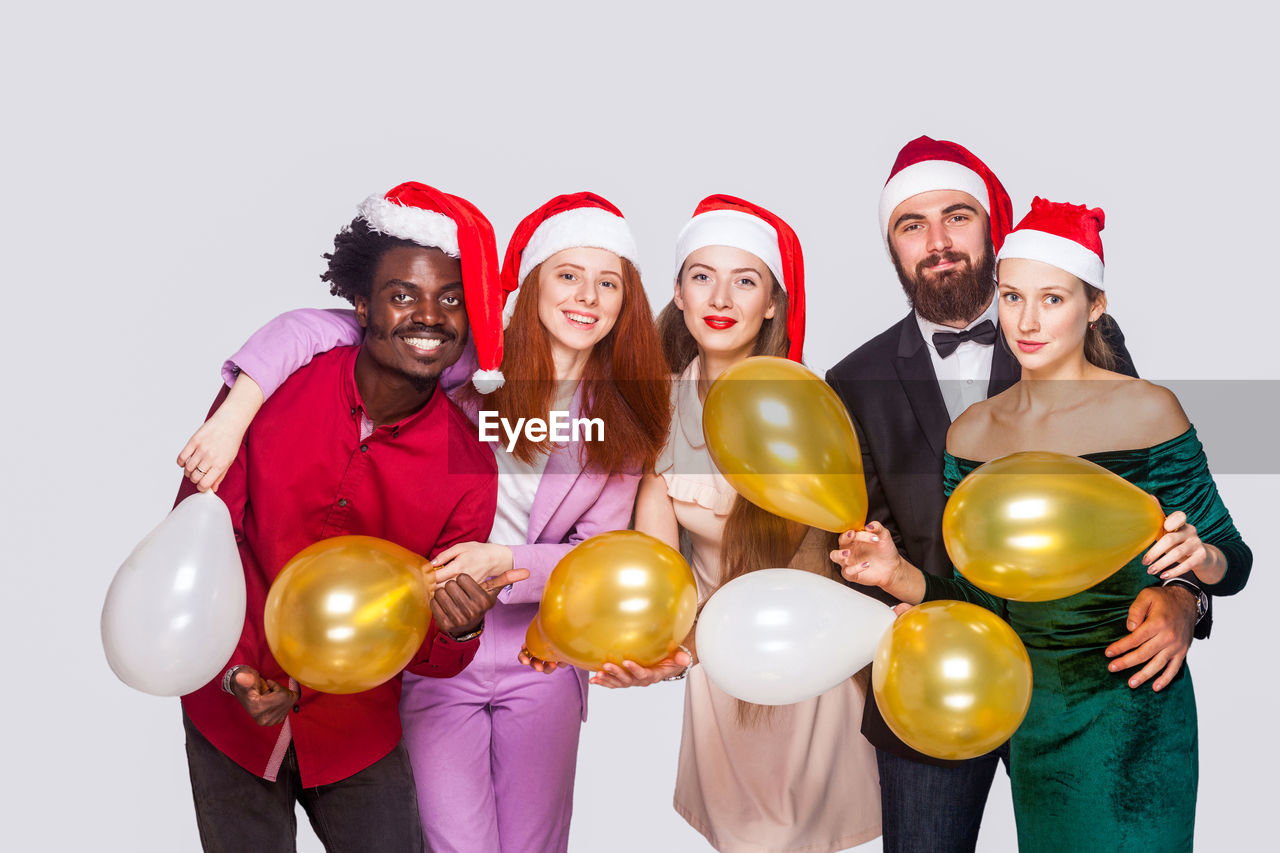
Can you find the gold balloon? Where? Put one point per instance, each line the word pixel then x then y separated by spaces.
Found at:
pixel 784 441
pixel 535 642
pixel 952 679
pixel 1039 526
pixel 348 613
pixel 618 596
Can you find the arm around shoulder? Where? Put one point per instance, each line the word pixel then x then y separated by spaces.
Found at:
pixel 288 343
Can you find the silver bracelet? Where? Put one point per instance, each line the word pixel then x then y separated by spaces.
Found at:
pixel 682 673
pixel 228 676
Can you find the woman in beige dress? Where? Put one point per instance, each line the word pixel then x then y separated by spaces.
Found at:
pixel 751 778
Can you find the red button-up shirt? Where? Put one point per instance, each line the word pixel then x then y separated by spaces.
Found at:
pixel 304 474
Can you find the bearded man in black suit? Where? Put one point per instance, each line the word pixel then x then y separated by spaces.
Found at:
pixel 944 216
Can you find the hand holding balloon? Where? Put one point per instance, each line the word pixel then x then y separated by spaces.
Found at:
pixel 618 596
pixel 459 605
pixel 537 652
pixel 350 612
pixel 265 700
pixel 870 557
pixel 1036 526
pixel 1180 551
pixel 546 667
pixel 632 674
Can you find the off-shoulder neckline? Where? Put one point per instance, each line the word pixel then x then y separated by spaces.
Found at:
pixel 1189 434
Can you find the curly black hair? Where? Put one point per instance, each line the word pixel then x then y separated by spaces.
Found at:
pixel 357 248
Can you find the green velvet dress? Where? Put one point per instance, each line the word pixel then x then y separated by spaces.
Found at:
pixel 1097 765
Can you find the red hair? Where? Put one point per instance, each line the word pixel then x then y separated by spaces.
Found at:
pixel 625 383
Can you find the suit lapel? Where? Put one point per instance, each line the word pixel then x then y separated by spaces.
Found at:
pixel 920 384
pixel 562 472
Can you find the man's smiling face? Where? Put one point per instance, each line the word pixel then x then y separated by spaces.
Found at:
pixel 415 318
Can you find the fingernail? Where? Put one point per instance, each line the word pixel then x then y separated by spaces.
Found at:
pixel 866 564
pixel 875 538
pixel 1165 576
pixel 1130 625
pixel 844 553
pixel 1112 667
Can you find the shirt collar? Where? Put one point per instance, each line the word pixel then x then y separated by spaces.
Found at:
pixel 351 394
pixel 927 327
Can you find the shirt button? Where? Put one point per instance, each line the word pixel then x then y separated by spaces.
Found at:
pixel 364 448
pixel 342 501
pixel 297 709
pixel 968 382
pixel 353 413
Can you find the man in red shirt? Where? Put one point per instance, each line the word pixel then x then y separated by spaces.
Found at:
pixel 360 441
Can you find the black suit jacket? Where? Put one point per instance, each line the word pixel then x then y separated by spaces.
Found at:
pixel 889 387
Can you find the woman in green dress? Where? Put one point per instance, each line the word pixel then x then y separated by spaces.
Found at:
pixel 1095 765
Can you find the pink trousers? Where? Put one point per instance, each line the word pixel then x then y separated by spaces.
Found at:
pixel 495 747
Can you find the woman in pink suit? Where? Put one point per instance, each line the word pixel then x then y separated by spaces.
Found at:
pixel 494 748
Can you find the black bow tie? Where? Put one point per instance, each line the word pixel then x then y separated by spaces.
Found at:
pixel 946 342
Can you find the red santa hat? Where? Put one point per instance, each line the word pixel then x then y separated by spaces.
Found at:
pixel 1061 235
pixel 723 220
pixel 925 164
pixel 570 221
pixel 437 220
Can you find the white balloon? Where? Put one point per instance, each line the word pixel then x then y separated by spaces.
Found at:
pixel 778 636
pixel 175 609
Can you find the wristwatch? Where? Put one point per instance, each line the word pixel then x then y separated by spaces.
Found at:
pixel 1202 597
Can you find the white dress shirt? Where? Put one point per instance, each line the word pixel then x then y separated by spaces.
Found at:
pixel 964 375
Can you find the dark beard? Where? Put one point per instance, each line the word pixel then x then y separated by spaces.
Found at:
pixel 956 296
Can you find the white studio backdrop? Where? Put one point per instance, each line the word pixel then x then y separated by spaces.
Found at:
pixel 172 175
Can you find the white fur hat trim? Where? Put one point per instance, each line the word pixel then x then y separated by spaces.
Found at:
pixel 424 227
pixel 731 228
pixel 1060 252
pixel 927 176
pixel 588 227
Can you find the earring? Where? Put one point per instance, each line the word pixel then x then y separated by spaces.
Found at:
pixel 1093 325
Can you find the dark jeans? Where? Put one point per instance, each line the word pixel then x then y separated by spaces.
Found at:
pixel 931 809
pixel 373 810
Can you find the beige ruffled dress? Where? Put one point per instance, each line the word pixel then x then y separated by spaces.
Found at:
pixel 801 777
